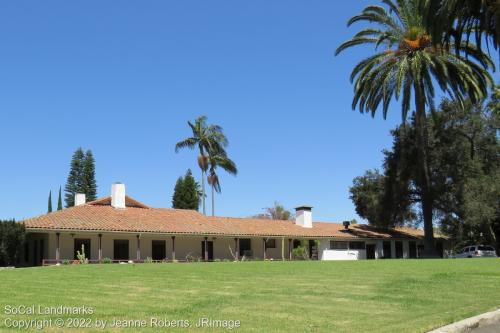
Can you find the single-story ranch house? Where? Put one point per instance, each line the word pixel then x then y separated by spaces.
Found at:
pixel 120 228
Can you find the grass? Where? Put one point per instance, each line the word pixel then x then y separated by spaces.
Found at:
pixel 354 296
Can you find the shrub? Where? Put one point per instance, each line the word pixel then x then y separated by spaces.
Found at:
pixel 12 238
pixel 217 260
pixel 106 260
pixel 148 260
pixel 65 262
pixel 192 257
pixel 300 252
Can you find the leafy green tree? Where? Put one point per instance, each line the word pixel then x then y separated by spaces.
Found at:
pixel 88 182
pixel 186 193
pixel 59 200
pixel 206 138
pixel 276 212
pixel 218 159
pixel 410 65
pixel 49 208
pixel 12 238
pixel 465 169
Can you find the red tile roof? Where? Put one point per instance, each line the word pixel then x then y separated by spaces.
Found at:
pixel 100 216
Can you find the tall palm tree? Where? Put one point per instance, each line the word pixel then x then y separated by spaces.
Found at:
pixel 207 138
pixel 410 63
pixel 218 159
pixel 479 19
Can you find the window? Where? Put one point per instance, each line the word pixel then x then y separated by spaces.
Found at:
pixel 158 250
pixel 413 249
pixel 270 243
pixel 26 251
pixel 399 249
pixel 338 245
pixel 387 249
pixel 120 249
pixel 78 243
pixel 245 247
pixel 356 245
pixel 485 248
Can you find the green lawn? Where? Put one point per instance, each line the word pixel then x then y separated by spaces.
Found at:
pixel 356 296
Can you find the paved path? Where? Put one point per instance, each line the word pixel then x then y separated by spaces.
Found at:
pixel 492 328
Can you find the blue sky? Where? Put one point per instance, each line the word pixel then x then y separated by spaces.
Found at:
pixel 122 78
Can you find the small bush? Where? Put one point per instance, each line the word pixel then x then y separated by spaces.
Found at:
pixel 300 252
pixel 65 262
pixel 106 261
pixel 148 260
pixel 217 260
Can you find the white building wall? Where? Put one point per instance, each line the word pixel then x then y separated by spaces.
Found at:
pixel 191 245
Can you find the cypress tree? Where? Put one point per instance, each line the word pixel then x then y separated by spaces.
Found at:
pixel 49 208
pixel 74 182
pixel 88 177
pixel 59 200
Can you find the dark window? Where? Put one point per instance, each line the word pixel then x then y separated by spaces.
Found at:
pixel 79 242
pixel 210 250
pixel 439 248
pixel 420 250
pixel 387 250
pixel 35 253
pixel 42 252
pixel 245 247
pixel 370 251
pixel 356 245
pixel 270 243
pixel 26 251
pixel 158 250
pixel 120 249
pixel 296 243
pixel 485 248
pixel 399 249
pixel 413 249
pixel 334 245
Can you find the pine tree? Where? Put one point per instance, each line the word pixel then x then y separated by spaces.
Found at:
pixel 186 193
pixel 178 189
pixel 59 200
pixel 74 182
pixel 88 177
pixel 49 208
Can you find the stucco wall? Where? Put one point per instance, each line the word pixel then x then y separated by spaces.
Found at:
pixel 189 245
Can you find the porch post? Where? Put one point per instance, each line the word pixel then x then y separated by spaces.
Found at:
pixel 206 248
pixel 173 248
pixel 100 247
pixel 290 248
pixel 237 254
pixel 57 246
pixel 138 247
pixel 264 247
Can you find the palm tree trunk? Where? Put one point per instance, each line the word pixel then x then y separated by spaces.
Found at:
pixel 213 200
pixel 203 190
pixel 424 178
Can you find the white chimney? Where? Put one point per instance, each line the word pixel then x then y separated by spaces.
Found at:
pixel 303 216
pixel 79 199
pixel 118 195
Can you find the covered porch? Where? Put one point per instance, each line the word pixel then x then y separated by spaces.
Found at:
pixel 57 247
